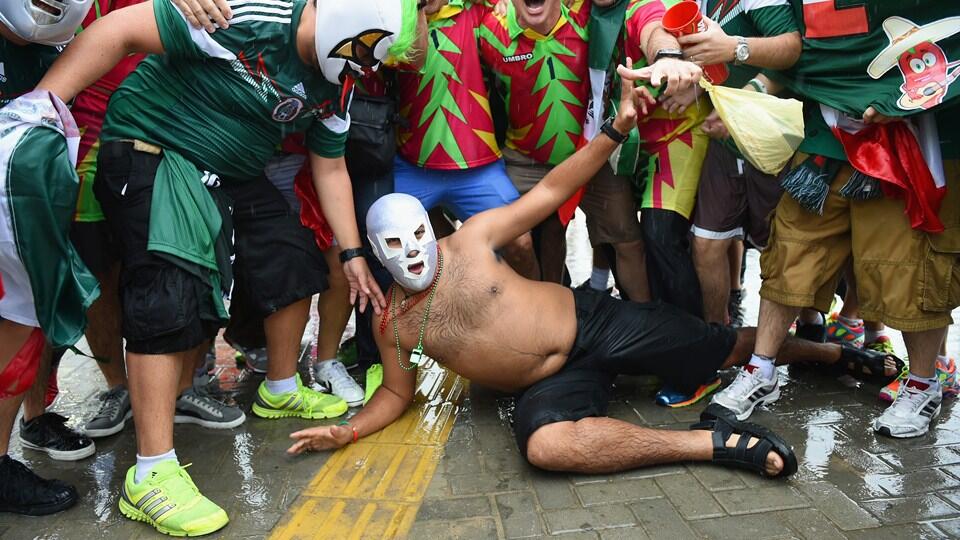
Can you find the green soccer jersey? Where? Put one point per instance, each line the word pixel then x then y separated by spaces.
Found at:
pixel 750 18
pixel 22 67
pixel 226 100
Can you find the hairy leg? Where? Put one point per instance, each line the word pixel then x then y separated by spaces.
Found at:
pixel 520 256
pixel 103 328
pixel 333 307
pixel 711 258
pixel 632 270
pixel 923 348
pixel 33 399
pixel 735 258
pixel 605 445
pixel 553 249
pixel 153 380
pixel 195 359
pixel 284 328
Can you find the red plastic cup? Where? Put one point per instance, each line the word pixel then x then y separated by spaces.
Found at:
pixel 682 19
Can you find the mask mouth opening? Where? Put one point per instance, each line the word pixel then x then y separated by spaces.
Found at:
pixel 416 268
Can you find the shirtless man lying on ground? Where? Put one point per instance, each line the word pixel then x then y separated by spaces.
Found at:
pixel 559 350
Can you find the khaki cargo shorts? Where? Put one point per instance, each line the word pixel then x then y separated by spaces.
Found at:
pixel 610 209
pixel 907 279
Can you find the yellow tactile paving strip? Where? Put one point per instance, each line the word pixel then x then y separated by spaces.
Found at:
pixel 373 489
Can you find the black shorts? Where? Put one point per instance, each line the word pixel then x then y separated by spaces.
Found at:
pixel 166 309
pixel 738 200
pixel 616 337
pixel 96 245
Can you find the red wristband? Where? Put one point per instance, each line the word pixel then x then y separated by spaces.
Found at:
pixel 356 434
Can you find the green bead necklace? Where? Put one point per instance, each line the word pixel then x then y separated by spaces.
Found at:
pixel 416 355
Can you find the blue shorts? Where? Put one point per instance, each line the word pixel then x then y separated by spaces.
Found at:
pixel 465 192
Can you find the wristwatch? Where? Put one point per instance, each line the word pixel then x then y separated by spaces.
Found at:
pixel 742 52
pixel 351 253
pixel 610 131
pixel 668 53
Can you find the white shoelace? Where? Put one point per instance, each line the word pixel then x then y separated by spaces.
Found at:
pixel 909 402
pixel 745 383
pixel 336 374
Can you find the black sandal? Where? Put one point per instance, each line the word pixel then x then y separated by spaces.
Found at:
pixel 868 365
pixel 743 456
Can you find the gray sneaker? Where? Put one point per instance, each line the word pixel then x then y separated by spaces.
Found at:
pixel 113 413
pixel 196 406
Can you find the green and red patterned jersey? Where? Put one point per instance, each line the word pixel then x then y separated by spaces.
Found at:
pixel 89 108
pixel 543 80
pixel 446 104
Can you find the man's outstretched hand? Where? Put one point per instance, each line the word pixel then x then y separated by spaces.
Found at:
pixel 363 286
pixel 320 438
pixel 635 101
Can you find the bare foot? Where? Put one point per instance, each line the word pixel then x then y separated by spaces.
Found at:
pixel 774 462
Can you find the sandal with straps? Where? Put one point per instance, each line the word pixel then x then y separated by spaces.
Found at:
pixel 743 456
pixel 868 365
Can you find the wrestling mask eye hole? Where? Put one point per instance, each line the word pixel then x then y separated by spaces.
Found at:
pixel 394 243
pixel 420 231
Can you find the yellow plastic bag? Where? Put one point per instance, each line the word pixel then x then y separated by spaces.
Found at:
pixel 767 129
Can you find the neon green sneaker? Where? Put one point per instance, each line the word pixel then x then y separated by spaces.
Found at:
pixel 374 380
pixel 168 500
pixel 304 403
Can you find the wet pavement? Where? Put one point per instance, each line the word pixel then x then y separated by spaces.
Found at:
pixel 474 484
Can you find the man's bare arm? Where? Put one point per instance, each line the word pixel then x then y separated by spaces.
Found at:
pixel 100 47
pixel 501 226
pixel 387 404
pixel 714 46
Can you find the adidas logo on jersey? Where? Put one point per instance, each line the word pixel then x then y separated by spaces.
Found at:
pixel 299 90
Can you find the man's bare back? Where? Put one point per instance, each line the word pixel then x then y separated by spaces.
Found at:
pixel 486 322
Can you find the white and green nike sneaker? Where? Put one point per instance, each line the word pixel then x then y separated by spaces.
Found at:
pixel 303 403
pixel 168 500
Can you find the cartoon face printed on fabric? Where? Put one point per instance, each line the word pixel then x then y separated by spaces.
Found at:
pixel 399 230
pixel 353 37
pixel 926 70
pixel 925 77
pixel 48 22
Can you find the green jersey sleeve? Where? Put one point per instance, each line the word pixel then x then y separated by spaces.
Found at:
pixel 327 137
pixel 772 18
pixel 180 40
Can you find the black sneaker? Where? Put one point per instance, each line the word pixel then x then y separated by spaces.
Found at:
pixel 49 433
pixel 816 333
pixel 23 492
pixel 735 308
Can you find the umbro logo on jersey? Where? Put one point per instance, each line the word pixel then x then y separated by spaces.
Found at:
pixel 3 73
pixel 299 90
pixel 287 110
pixel 518 57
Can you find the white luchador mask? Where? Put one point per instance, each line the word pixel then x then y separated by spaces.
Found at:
pixel 48 22
pixel 354 37
pixel 399 230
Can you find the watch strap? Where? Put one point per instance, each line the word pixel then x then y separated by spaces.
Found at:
pixel 668 53
pixel 610 131
pixel 351 253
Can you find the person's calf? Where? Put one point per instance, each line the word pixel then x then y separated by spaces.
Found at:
pixel 632 270
pixel 520 255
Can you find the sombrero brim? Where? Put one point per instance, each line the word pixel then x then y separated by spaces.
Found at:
pixel 935 31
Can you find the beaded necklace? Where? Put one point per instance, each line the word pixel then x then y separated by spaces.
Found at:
pixel 416 355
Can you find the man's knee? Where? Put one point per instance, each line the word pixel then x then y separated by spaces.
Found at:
pixel 709 248
pixel 546 446
pixel 631 250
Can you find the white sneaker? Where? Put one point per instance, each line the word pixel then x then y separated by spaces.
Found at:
pixel 333 374
pixel 747 391
pixel 910 414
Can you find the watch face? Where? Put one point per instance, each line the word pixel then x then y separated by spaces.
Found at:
pixel 743 52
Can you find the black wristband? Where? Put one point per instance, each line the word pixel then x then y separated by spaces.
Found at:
pixel 668 53
pixel 351 253
pixel 610 131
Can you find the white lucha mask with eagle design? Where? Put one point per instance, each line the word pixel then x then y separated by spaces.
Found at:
pixel 354 37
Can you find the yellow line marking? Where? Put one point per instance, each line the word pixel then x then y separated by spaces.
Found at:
pixel 373 489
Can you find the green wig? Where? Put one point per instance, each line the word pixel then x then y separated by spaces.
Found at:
pixel 402 47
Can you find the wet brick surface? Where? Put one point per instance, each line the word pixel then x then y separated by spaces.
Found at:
pixel 851 484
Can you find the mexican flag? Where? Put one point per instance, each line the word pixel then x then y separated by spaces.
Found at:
pixel 46 285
